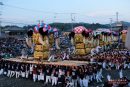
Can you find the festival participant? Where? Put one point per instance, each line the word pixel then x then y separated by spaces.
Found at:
pixel 108 77
pixel 54 77
pixel 121 74
pixel 98 77
pixel 117 65
pixel 12 72
pixel 27 71
pixel 62 77
pixel 31 71
pixel 51 58
pixel 128 65
pixel 69 50
pixel 64 55
pixel 67 53
pixel 74 77
pixel 73 50
pixel 125 65
pixel 104 64
pixel 87 73
pixel 85 81
pixel 17 70
pixel 1 68
pixel 38 73
pixel 48 76
pixel 81 76
pixel 59 75
pixel 69 78
pixel 112 64
pixel 23 71
pixel 42 73
pixel 90 72
pixel 94 72
pixel 9 70
pixel 24 54
pixel 5 69
pixel 100 73
pixel 35 73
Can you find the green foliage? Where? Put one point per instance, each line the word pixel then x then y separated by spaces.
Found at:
pixel 68 26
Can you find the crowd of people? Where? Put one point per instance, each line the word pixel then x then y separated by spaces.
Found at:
pixel 112 59
pixel 54 74
pixel 82 76
pixel 65 76
pixel 119 55
pixel 10 47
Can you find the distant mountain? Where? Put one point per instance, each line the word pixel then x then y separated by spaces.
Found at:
pixel 68 26
pixel 63 26
pixel 126 23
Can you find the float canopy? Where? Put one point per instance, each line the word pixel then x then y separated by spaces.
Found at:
pixel 79 29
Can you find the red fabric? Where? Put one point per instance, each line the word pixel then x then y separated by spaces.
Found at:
pixel 34 71
pixel 79 29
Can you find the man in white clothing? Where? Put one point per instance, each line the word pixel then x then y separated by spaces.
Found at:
pixel 104 65
pixel 108 77
pixel 98 77
pixel 121 74
pixel 54 77
pixel 51 58
pixel 24 54
pixel 85 81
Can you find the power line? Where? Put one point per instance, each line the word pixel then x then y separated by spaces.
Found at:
pixel 40 11
pixel 55 13
pixel 12 6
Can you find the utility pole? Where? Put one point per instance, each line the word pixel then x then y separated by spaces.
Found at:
pixel 111 29
pixel 72 19
pixel 0 18
pixel 54 20
pixel 119 26
pixel 110 23
pixel 117 16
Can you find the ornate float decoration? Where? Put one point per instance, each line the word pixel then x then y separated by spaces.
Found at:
pixel 42 39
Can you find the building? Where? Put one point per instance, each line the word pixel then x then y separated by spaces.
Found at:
pixel 14 30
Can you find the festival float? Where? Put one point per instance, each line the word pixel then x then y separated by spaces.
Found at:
pixel 87 41
pixel 123 35
pixel 79 39
pixel 127 42
pixel 41 39
pixel 105 36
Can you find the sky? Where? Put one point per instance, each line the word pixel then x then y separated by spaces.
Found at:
pixel 26 12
